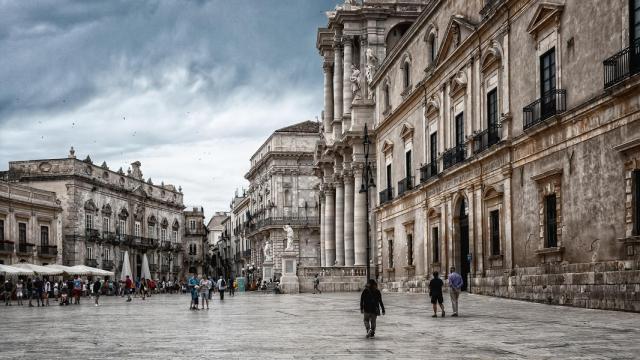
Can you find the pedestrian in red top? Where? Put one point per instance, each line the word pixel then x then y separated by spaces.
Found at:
pixel 128 285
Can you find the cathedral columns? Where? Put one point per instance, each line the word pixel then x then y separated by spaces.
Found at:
pixel 348 62
pixel 348 220
pixel 322 230
pixel 328 96
pixel 337 81
pixel 339 223
pixel 330 228
pixel 359 216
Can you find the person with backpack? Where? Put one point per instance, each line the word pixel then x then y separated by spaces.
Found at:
pixel 97 286
pixel 370 306
pixel 128 287
pixel 435 292
pixel 222 286
pixel 316 285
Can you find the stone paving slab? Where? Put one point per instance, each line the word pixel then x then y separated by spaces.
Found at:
pixel 306 326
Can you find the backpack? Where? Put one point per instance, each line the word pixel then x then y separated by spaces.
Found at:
pixel 224 283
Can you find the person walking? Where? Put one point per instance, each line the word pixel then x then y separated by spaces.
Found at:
pixel 193 288
pixel 128 287
pixel 97 286
pixel 19 292
pixel 232 287
pixel 8 289
pixel 370 306
pixel 29 292
pixel 222 286
pixel 77 290
pixel 435 292
pixel 46 292
pixel 205 284
pixel 316 284
pixel 455 287
pixel 37 288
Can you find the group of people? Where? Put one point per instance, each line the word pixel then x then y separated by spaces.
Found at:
pixel 203 287
pixel 371 304
pixel 41 289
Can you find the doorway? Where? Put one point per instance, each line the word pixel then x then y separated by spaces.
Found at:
pixel 464 265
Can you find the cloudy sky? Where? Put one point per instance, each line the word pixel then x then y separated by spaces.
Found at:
pixel 189 88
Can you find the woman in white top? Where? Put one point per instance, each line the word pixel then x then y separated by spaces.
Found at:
pixel 205 284
pixel 19 287
pixel 47 290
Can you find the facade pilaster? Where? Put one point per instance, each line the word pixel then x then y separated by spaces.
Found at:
pixel 330 227
pixel 339 222
pixel 359 218
pixel 328 96
pixel 348 220
pixel 322 230
pixel 508 239
pixel 337 80
pixel 348 62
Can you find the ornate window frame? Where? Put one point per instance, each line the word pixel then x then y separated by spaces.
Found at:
pixel 549 183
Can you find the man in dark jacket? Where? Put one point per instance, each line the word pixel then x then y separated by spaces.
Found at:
pixel 435 291
pixel 370 305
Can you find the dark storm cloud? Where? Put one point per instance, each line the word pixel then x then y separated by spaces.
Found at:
pixel 190 88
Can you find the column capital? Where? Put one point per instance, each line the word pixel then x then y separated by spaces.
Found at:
pixel 348 177
pixel 347 40
pixel 327 66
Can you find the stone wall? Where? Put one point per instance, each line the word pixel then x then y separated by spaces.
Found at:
pixel 333 283
pixel 612 285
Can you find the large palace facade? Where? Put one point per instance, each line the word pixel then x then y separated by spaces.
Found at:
pixel 505 144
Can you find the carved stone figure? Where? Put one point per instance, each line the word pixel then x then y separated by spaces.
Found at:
pixel 372 62
pixel 268 256
pixel 289 231
pixel 355 83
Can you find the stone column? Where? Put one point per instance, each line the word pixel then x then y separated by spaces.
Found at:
pixel 330 228
pixel 322 231
pixel 363 66
pixel 347 96
pixel 508 245
pixel 348 220
pixel 479 255
pixel 328 96
pixel 359 217
pixel 339 223
pixel 337 82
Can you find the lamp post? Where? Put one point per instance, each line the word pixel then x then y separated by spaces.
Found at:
pixel 367 183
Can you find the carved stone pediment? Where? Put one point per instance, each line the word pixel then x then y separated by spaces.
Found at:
pixel 387 146
pixel 458 30
pixel 406 132
pixel 546 14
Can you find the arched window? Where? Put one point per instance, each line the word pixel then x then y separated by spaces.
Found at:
pixel 407 74
pixel 386 95
pixel 431 45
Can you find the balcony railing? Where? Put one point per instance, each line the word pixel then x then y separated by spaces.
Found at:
pixel 246 253
pixel 25 248
pixel 487 138
pixel 6 247
pixel 107 265
pixel 164 268
pixel 551 103
pixel 428 171
pixel 92 234
pixel 285 220
pixel 153 267
pixel 178 248
pixel 166 245
pixel 48 250
pixel 176 269
pixel 622 65
pixel 91 262
pixel 453 156
pixel 405 185
pixel 489 5
pixel 386 195
pixel 108 236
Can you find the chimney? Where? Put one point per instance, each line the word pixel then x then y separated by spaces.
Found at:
pixel 136 173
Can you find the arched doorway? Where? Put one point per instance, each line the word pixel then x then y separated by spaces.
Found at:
pixel 463 265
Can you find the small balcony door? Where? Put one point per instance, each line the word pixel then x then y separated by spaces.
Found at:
pixel 389 178
pixel 492 117
pixel 547 83
pixel 433 148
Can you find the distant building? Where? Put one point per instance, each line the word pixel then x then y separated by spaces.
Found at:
pixel 240 243
pixel 284 190
pixel 30 225
pixel 195 240
pixel 215 228
pixel 106 212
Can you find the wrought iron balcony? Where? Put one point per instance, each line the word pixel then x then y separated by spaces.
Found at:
pixel 176 269
pixel 166 245
pixel 487 138
pixel 164 268
pixel 551 103
pixel 246 253
pixel 107 265
pixel 47 250
pixel 453 156
pixel 405 185
pixel 489 5
pixel 178 248
pixel 91 262
pixel 386 195
pixel 153 267
pixel 623 64
pixel 92 235
pixel 25 249
pixel 428 171
pixel 6 247
pixel 108 236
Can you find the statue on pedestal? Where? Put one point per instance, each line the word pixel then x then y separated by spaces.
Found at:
pixel 268 256
pixel 289 231
pixel 372 62
pixel 355 83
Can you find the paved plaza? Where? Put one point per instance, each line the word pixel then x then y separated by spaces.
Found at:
pixel 305 326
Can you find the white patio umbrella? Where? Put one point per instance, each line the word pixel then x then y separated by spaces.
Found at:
pixel 38 269
pixel 93 271
pixel 126 268
pixel 145 268
pixel 69 270
pixel 10 270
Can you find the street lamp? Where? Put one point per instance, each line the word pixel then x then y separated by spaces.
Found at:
pixel 367 183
